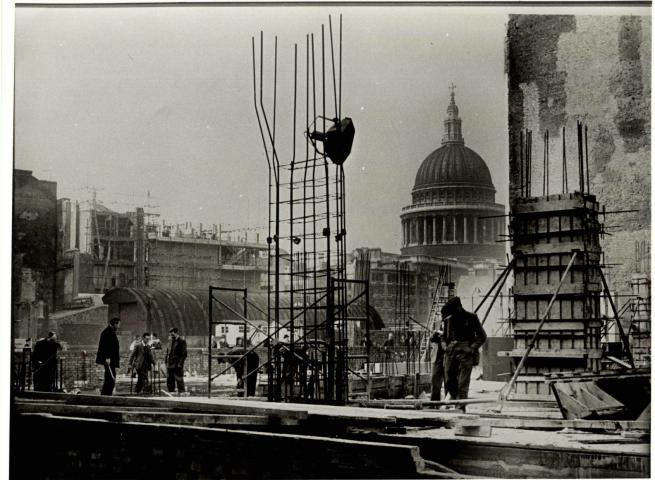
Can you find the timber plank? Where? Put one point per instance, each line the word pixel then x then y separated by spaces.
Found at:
pixel 555 424
pixel 551 248
pixel 198 419
pixel 549 289
pixel 188 404
pixel 68 409
pixel 561 353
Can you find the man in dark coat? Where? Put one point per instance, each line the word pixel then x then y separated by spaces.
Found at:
pixel 247 367
pixel 141 361
pixel 108 355
pixel 464 335
pixel 389 354
pixel 44 363
pixel 175 361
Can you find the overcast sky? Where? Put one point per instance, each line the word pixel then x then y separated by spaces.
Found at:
pixel 130 100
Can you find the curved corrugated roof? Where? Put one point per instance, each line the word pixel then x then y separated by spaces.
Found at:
pixel 188 309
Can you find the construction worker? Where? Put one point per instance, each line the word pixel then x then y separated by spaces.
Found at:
pixel 44 363
pixel 437 365
pixel 108 355
pixel 141 362
pixel 247 367
pixel 177 354
pixel 389 354
pixel 463 335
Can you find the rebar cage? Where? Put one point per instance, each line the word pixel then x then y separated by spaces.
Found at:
pixel 308 306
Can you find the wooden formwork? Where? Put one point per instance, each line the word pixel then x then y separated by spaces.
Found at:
pixel 545 232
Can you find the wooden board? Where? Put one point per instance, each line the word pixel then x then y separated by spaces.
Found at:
pixel 563 353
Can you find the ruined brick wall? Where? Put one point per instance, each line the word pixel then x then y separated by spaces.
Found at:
pixel 595 69
pixel 34 252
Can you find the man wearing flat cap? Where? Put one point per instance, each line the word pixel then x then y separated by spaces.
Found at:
pixel 463 335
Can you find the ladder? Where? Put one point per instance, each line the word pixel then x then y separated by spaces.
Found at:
pixel 438 299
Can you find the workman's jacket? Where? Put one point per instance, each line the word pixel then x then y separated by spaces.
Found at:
pixel 44 356
pixel 246 364
pixel 463 326
pixel 141 358
pixel 436 352
pixel 108 347
pixel 177 353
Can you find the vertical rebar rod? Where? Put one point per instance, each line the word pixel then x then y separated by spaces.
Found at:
pixel 528 155
pixel 580 165
pixel 314 284
pixel 292 333
pixel 545 171
pixel 340 58
pixel 270 186
pixel 209 347
pixel 275 166
pixel 334 74
pixel 527 164
pixel 277 207
pixel 565 180
pixel 399 295
pixel 245 325
pixel 530 162
pixel 586 150
pixel 304 203
pixel 343 231
pixel 330 394
pixel 396 292
pixel 547 162
pixel 274 87
pixel 522 180
pixel 368 343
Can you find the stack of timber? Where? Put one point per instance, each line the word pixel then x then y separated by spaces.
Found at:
pixel 611 394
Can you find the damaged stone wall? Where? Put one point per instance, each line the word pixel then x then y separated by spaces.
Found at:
pixel 596 69
pixel 34 253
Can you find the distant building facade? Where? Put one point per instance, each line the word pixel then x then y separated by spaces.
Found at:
pixel 387 285
pixel 104 249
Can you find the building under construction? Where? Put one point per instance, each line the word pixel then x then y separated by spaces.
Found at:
pixel 575 399
pixel 103 249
